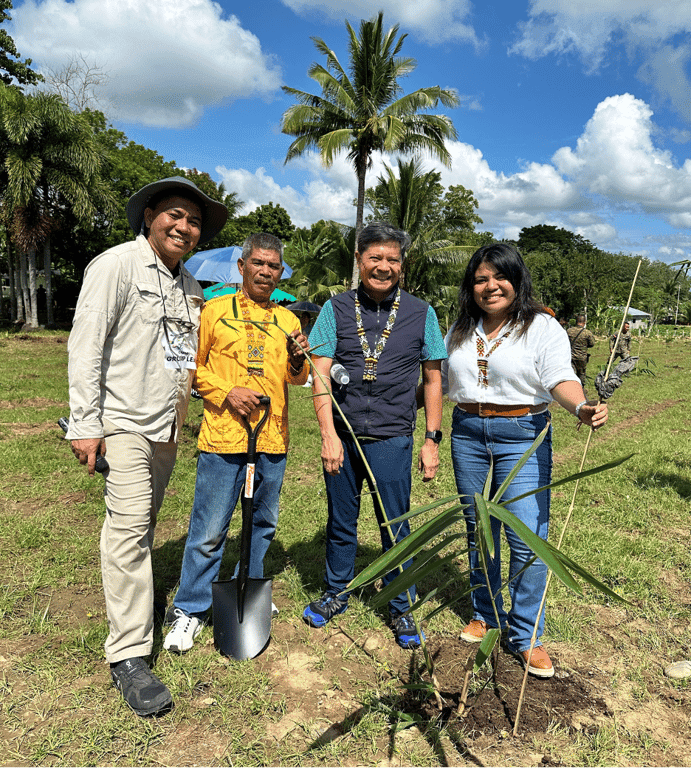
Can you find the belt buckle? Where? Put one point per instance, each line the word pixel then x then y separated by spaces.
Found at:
pixel 479 410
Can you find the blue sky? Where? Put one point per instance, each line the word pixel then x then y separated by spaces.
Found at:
pixel 572 114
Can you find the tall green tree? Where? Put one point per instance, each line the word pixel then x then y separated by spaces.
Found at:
pixel 50 163
pixel 269 217
pixel 362 108
pixel 321 259
pixel 12 68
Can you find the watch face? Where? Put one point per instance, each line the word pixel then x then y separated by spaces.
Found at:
pixel 436 435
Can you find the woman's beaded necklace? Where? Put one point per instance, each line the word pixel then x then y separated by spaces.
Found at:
pixel 483 357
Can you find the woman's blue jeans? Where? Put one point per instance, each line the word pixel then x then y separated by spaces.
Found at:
pixel 475 441
pixel 220 478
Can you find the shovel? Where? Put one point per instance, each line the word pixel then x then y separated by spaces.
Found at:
pixel 242 606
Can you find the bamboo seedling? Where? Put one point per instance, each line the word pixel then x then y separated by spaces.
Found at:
pixel 425 544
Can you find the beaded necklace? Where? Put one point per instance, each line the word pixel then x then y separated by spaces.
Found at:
pixel 483 358
pixel 255 348
pixel 372 358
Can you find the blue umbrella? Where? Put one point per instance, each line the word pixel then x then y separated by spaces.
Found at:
pixel 222 289
pixel 220 265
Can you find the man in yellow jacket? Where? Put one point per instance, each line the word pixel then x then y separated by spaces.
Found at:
pixel 237 363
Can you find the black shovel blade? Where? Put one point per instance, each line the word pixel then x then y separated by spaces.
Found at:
pixel 247 638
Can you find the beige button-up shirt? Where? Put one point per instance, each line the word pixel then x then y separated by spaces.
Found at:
pixel 117 369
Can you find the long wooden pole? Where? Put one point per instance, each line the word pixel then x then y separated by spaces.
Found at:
pixel 533 639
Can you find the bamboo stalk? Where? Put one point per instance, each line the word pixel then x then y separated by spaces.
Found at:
pixel 533 639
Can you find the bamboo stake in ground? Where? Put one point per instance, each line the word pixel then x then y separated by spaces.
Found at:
pixel 533 639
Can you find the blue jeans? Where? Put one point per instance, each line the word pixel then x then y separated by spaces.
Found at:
pixel 220 478
pixel 390 461
pixel 474 442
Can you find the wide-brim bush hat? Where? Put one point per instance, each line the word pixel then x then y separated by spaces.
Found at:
pixel 214 214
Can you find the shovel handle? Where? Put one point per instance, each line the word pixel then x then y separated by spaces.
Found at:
pixel 247 502
pixel 253 434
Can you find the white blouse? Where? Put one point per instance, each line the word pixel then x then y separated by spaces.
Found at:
pixel 520 371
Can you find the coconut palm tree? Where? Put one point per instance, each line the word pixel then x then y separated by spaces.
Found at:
pixel 363 110
pixel 50 163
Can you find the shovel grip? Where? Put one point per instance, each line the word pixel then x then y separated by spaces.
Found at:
pixel 253 434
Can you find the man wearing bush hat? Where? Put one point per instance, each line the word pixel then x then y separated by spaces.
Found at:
pixel 132 355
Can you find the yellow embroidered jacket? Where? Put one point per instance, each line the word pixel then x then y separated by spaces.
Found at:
pixel 222 363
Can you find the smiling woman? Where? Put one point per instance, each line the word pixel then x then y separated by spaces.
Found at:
pixel 508 358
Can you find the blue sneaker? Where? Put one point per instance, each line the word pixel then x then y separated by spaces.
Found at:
pixel 319 612
pixel 404 630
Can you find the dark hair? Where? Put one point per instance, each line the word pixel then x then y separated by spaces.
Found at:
pixel 382 232
pixel 580 319
pixel 261 240
pixel 506 259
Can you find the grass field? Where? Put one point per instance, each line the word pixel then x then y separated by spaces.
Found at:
pixel 328 697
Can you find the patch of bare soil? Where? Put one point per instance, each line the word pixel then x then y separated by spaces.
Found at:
pixel 33 402
pixel 568 699
pixel 627 426
pixel 27 430
pixel 323 680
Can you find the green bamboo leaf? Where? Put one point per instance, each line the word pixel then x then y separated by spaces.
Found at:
pixel 407 547
pixel 419 687
pixel 426 508
pixel 539 546
pixel 571 478
pixel 230 324
pixel 407 577
pixel 483 527
pixel 488 479
pixel 486 648
pixel 519 465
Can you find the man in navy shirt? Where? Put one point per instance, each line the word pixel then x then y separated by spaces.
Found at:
pixel 381 335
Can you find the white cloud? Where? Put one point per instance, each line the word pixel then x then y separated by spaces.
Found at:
pixel 680 220
pixel 328 193
pixel 605 183
pixel 616 157
pixel 592 227
pixel 507 203
pixel 433 21
pixel 589 27
pixel 665 70
pixel 165 62
pixel 680 136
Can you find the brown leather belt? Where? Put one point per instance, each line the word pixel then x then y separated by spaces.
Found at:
pixel 493 409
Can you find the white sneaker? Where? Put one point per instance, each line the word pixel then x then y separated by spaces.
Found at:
pixel 183 632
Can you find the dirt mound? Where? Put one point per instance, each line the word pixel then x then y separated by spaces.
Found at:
pixel 568 699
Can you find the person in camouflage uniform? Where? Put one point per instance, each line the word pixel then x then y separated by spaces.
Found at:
pixel 623 349
pixel 581 340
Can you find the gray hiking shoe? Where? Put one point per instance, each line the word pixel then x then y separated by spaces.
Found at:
pixel 140 688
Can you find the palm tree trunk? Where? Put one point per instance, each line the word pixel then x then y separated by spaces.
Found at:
pixel 33 301
pixel 13 282
pixel 23 310
pixel 361 168
pixel 48 282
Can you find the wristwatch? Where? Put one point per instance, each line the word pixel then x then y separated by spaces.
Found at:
pixel 435 435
